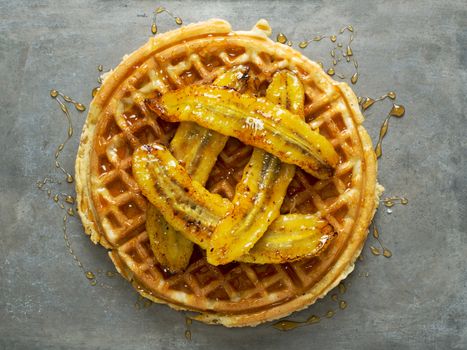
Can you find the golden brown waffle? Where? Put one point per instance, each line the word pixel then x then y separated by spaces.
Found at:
pixel 113 209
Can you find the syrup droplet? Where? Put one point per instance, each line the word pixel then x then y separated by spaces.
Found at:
pixel 367 103
pixel 93 282
pixel 154 28
pixel 382 132
pixel 391 95
pixel 330 313
pixel 388 203
pixel 349 51
pixel 331 72
pixel 286 325
pixel 342 288
pixel 94 91
pixel 70 212
pixel 354 78
pixel 387 253
pixel 178 21
pixel 397 111
pixel 80 107
pixel 313 319
pixel 160 9
pixel 375 251
pixel 334 297
pixel 342 304
pixel 375 232
pixel 404 201
pixel 53 93
pixel 281 38
pixel 100 68
pixel 188 334
pixel 69 199
pixel 303 44
pixel 333 38
pixel 69 178
pixel 289 43
pixel 90 275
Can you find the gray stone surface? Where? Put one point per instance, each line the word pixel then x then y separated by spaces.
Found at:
pixel 416 299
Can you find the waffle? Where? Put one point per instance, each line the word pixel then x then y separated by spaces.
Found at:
pixel 112 207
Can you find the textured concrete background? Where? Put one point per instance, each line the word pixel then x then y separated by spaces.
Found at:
pixel 416 299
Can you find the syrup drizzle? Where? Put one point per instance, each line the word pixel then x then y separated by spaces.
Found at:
pixel 142 302
pixel 389 202
pixel 154 29
pixel 62 99
pixel 382 250
pixel 337 52
pixel 188 322
pixel 288 325
pixel 65 201
pixel 100 69
pixel 396 110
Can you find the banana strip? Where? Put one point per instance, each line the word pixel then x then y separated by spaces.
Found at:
pixel 197 148
pixel 192 210
pixel 171 249
pixel 254 121
pixel 260 193
pixel 291 237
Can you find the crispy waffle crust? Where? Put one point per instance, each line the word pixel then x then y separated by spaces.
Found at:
pixel 112 207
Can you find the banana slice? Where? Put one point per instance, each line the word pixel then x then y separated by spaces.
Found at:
pixel 261 191
pixel 171 249
pixel 291 237
pixel 254 121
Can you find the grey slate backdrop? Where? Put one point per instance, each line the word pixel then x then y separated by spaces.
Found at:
pixel 415 300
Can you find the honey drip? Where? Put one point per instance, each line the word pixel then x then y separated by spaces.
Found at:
pixel 62 100
pixel 65 201
pixel 397 111
pixel 382 250
pixel 281 38
pixel 142 302
pixel 188 322
pixel 389 202
pixel 154 29
pixel 337 53
pixel 288 325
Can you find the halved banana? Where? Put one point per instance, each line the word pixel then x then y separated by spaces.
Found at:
pixel 254 121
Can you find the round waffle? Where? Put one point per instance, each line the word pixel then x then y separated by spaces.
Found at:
pixel 112 207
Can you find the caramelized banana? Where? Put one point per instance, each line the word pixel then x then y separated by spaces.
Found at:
pixel 185 204
pixel 171 249
pixel 291 237
pixel 254 121
pixel 194 211
pixel 198 149
pixel 261 191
